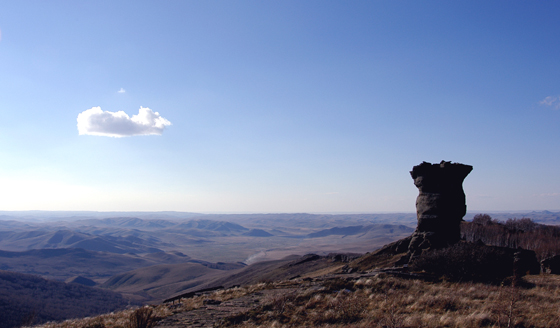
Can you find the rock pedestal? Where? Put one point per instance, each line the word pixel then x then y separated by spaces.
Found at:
pixel 440 205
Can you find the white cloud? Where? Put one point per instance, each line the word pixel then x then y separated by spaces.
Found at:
pixel 121 90
pixel 551 101
pixel 96 122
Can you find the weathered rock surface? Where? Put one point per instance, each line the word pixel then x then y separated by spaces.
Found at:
pixel 440 205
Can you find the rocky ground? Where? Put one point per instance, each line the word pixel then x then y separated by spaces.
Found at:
pixel 375 299
pixel 216 313
pixel 212 313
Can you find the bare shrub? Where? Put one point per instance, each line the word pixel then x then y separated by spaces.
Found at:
pixel 391 316
pixel 142 318
pixel 482 219
pixel 507 309
pixel 524 233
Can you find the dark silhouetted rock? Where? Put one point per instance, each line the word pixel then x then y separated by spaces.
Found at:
pixel 551 265
pixel 477 262
pixel 440 205
pixel 435 245
pixel 525 262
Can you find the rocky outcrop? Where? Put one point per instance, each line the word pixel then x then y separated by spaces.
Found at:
pixel 440 205
pixel 551 265
pixel 465 261
pixel 435 247
pixel 525 262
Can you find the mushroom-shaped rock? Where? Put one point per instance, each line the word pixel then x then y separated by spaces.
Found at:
pixel 440 205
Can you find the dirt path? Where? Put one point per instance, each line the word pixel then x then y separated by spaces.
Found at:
pixel 210 315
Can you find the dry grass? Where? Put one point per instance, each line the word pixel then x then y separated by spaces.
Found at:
pixel 378 301
pixel 131 318
pixel 188 304
pixel 383 301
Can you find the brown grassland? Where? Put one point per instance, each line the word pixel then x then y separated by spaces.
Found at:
pixel 376 301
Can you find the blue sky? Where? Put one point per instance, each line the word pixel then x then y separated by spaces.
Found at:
pixel 285 106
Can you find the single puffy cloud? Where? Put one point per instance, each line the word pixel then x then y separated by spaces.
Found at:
pixel 96 122
pixel 551 101
pixel 121 90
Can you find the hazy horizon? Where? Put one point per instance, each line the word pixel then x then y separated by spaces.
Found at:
pixel 172 215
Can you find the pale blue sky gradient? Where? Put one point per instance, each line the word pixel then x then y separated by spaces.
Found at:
pixel 286 106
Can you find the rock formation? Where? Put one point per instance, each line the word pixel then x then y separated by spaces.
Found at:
pixel 551 265
pixel 440 205
pixel 435 247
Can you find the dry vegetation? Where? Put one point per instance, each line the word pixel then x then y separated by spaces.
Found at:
pixel 376 301
pixel 523 233
pixel 147 316
pixel 383 301
pixel 143 317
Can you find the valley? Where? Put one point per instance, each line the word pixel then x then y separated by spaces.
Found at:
pixel 148 259
pixel 98 248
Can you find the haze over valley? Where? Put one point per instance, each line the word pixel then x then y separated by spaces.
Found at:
pixel 151 256
pixel 98 248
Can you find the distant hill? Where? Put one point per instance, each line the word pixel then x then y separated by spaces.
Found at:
pixel 287 268
pixel 128 222
pixel 35 239
pixel 64 263
pixel 212 237
pixel 257 233
pixel 159 281
pixel 28 299
pixel 80 280
pixel 355 230
pixel 220 226
pixel 77 215
pixel 163 281
pixel 290 267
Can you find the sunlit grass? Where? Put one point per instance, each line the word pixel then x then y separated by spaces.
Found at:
pixel 377 301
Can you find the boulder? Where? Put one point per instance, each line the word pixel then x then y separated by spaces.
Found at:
pixel 551 264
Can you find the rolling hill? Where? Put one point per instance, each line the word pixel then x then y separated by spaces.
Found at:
pixel 159 281
pixel 64 263
pixel 27 299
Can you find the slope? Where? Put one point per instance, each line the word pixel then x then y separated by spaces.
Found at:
pixel 159 281
pixel 27 299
